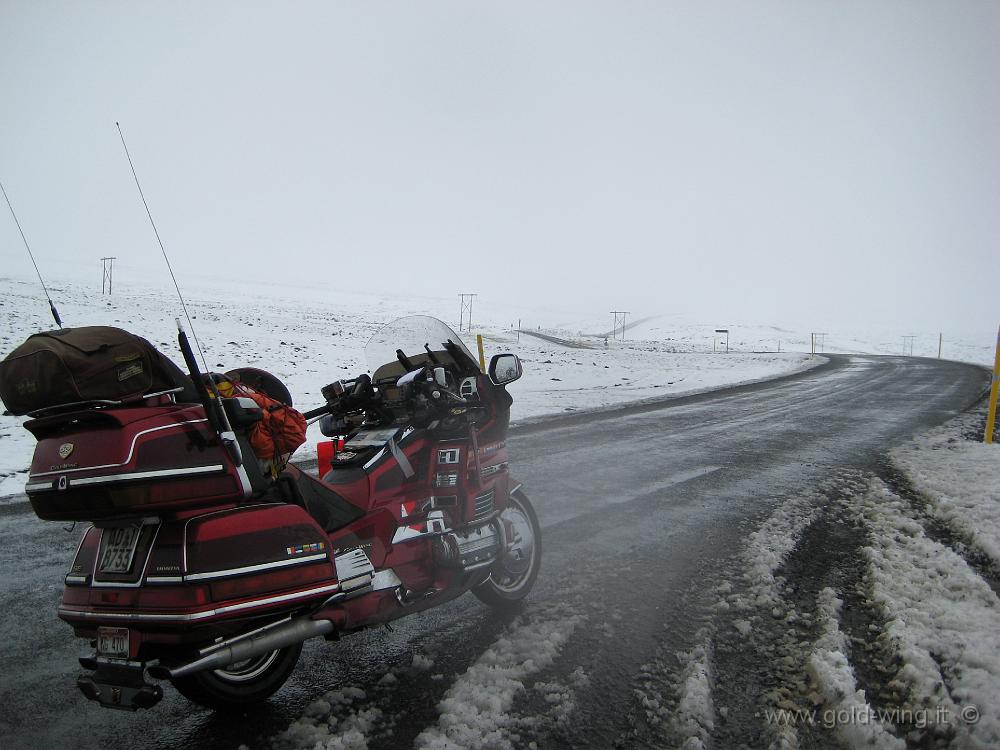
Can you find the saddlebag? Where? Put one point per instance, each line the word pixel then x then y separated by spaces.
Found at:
pixel 88 364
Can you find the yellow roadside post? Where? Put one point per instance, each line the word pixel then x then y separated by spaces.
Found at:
pixel 482 357
pixel 991 413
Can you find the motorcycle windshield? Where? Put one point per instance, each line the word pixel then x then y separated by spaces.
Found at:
pixel 413 335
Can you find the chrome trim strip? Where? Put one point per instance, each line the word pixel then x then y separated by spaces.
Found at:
pixel 241 472
pixel 194 616
pixel 159 474
pixel 115 478
pixel 212 574
pixel 76 580
pixel 492 469
pixel 165 579
pixel 128 458
pixel 374 459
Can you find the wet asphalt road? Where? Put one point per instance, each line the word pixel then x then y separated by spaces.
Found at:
pixel 640 506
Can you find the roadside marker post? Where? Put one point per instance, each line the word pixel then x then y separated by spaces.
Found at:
pixel 482 356
pixel 991 413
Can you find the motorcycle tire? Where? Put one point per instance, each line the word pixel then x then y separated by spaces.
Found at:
pixel 241 683
pixel 505 589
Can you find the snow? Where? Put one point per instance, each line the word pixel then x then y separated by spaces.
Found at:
pixel 339 720
pixel 767 548
pixel 960 479
pixel 941 620
pixel 475 711
pixel 834 678
pixel 695 715
pixel 310 335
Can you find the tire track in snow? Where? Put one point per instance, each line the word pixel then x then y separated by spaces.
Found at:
pixel 476 709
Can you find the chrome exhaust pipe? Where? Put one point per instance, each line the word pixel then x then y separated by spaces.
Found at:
pixel 254 644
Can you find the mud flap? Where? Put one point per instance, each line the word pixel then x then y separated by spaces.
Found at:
pixel 120 686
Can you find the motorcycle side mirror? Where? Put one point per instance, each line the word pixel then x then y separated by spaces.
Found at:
pixel 504 368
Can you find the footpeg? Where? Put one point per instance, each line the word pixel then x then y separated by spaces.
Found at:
pixel 408 598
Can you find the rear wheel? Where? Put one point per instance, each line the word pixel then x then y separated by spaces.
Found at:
pixel 515 572
pixel 244 682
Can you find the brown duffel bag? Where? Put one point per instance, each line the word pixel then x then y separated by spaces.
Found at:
pixel 92 363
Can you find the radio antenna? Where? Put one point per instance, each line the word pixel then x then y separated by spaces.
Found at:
pixel 162 249
pixel 52 307
pixel 213 405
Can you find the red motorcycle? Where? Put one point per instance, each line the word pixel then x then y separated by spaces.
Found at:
pixel 208 567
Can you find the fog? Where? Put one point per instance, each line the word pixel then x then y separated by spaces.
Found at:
pixel 821 164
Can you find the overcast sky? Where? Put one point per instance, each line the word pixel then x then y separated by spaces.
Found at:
pixel 813 163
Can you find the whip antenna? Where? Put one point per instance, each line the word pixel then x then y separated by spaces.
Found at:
pixel 162 249
pixel 213 404
pixel 52 307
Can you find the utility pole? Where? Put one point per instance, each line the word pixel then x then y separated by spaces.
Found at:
pixel 614 331
pixel 107 268
pixel 519 330
pixel 466 307
pixel 908 340
pixel 940 342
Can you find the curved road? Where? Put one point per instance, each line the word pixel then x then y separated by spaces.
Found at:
pixel 640 507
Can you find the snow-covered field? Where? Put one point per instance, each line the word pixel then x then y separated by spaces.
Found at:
pixel 311 335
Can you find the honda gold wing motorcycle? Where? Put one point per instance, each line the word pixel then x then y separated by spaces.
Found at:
pixel 206 565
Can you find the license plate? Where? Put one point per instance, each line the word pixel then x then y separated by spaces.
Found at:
pixel 119 548
pixel 112 642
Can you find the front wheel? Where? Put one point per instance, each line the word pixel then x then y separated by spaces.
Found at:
pixel 515 572
pixel 241 683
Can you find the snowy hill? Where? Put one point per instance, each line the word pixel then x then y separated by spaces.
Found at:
pixel 309 335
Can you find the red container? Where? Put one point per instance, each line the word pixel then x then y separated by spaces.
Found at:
pixel 98 464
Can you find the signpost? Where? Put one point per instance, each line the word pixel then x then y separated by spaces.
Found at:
pixel 725 331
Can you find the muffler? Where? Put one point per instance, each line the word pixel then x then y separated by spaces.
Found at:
pixel 251 645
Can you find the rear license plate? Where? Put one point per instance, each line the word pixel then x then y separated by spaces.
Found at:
pixel 112 642
pixel 119 548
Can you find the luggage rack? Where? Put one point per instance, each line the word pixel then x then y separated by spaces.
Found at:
pixel 49 411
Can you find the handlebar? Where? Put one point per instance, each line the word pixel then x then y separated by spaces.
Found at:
pixel 361 391
pixel 346 399
pixel 317 412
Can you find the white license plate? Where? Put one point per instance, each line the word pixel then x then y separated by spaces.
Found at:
pixel 119 548
pixel 112 642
